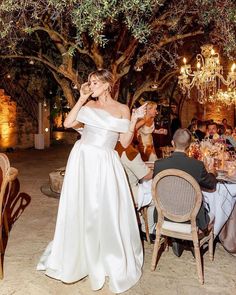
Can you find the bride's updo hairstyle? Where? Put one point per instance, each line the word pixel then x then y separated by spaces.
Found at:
pixel 105 76
pixel 150 104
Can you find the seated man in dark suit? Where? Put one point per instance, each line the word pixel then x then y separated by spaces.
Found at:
pixel 180 160
pixel 200 133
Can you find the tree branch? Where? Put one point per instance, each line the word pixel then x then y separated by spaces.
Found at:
pixel 147 56
pixel 147 86
pixel 60 42
pixel 60 70
pixel 66 89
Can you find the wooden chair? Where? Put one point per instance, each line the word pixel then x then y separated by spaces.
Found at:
pixel 143 212
pixel 7 176
pixel 178 198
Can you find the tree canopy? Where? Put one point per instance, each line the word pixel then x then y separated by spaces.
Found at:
pixel 140 41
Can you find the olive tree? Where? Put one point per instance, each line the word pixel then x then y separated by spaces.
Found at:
pixel 132 38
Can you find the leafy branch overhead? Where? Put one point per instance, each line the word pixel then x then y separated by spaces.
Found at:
pixel 73 37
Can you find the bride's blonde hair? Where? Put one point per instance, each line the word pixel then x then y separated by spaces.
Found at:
pixel 105 76
pixel 150 104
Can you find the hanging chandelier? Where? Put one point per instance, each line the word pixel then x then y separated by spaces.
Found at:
pixel 227 97
pixel 207 77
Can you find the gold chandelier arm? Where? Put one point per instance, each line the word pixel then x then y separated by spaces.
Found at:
pixel 221 77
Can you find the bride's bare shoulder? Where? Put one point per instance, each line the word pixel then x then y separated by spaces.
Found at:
pixel 124 110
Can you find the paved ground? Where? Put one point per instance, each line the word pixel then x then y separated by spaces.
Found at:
pixel 35 226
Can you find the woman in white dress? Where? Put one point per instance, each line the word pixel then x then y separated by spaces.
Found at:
pixel 96 232
pixel 145 127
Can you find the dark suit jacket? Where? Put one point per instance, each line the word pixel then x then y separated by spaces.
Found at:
pixel 198 134
pixel 180 160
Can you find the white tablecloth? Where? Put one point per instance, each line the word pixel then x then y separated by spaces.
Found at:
pixel 144 196
pixel 221 203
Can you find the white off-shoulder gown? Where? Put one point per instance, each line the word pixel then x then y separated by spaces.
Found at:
pixel 96 231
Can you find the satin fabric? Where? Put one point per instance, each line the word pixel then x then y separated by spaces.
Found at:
pixel 146 145
pixel 96 231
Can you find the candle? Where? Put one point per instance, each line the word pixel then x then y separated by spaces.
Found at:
pixel 222 158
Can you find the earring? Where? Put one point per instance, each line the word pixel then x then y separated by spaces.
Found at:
pixel 106 94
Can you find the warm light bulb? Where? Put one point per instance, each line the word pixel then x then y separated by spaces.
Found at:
pixel 233 67
pixel 154 86
pixel 198 65
pixel 184 60
pixel 138 69
pixel 46 129
pixel 212 51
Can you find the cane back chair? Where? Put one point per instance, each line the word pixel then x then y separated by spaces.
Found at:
pixel 178 198
pixel 7 176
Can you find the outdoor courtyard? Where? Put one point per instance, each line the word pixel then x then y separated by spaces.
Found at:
pixel 34 228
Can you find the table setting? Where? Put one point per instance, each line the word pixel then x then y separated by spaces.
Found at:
pixel 222 163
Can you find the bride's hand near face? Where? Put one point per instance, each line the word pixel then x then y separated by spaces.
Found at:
pixel 85 92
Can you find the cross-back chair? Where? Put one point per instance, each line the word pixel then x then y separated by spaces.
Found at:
pixel 178 198
pixel 7 176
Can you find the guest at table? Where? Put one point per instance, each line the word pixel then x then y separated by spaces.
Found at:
pixel 139 173
pixel 225 123
pixel 234 133
pixel 229 138
pixel 193 124
pixel 180 160
pixel 200 133
pixel 212 131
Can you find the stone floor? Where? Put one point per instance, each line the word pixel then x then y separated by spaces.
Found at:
pixel 34 228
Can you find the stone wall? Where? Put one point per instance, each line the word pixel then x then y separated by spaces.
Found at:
pixel 17 128
pixel 216 111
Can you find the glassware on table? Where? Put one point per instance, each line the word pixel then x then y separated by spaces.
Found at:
pixel 166 151
pixel 230 167
pixel 209 163
pixel 217 163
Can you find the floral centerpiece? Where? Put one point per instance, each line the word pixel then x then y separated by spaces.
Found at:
pixel 211 151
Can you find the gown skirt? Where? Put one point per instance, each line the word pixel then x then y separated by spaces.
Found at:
pixel 96 231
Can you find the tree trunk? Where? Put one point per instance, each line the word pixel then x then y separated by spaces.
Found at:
pixel 65 85
pixel 116 90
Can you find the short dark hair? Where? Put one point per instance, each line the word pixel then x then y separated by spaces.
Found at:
pixel 200 124
pixel 212 123
pixel 182 138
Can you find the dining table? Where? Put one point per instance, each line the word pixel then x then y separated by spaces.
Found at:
pixel 220 203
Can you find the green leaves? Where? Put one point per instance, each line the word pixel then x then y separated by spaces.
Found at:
pixel 102 20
